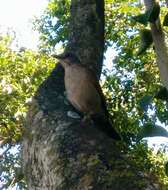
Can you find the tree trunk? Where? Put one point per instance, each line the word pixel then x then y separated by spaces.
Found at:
pixel 60 154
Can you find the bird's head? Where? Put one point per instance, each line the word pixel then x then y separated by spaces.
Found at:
pixel 67 59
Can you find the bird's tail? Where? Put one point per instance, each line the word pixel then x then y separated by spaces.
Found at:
pixel 105 126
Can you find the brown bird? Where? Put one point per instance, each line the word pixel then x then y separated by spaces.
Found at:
pixel 85 94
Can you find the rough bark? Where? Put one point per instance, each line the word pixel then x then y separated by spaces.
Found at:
pixel 86 38
pixel 160 46
pixel 60 154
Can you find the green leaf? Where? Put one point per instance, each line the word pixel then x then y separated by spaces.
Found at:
pixel 146 40
pixel 144 102
pixel 153 13
pixel 165 21
pixel 151 130
pixel 142 19
pixel 162 94
pixel 166 168
pixel 150 15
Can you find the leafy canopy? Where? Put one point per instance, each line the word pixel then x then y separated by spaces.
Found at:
pixel 21 72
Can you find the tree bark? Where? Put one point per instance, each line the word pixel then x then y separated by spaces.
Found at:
pixel 86 38
pixel 57 152
pixel 160 46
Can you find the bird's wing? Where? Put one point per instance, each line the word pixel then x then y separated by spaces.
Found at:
pixel 93 79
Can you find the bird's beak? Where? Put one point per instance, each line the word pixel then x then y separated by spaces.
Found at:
pixel 60 59
pixel 56 56
pixel 60 56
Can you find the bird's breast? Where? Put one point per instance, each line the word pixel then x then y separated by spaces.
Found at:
pixel 81 92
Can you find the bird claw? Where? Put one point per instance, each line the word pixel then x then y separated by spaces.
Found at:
pixel 86 121
pixel 73 115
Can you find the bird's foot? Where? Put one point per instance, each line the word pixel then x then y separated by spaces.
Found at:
pixel 73 115
pixel 86 121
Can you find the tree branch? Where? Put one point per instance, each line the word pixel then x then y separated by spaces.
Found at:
pixel 160 46
pixel 166 3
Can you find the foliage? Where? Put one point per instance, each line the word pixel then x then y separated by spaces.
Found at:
pixel 21 72
pixel 53 24
pixel 150 15
pixel 137 77
pixel 149 164
pixel 130 87
pixel 146 40
pixel 150 130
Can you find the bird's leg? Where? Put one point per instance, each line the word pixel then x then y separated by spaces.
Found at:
pixel 73 113
pixel 86 120
pixel 66 101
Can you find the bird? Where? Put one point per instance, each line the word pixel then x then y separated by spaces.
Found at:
pixel 85 94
